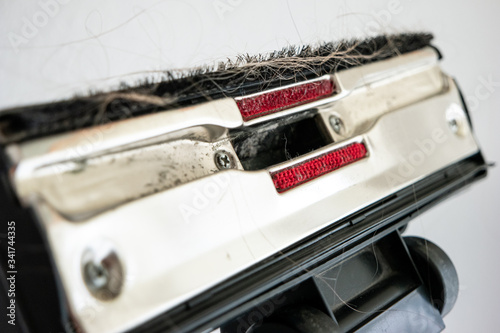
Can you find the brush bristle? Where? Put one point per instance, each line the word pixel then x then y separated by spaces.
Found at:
pixel 245 75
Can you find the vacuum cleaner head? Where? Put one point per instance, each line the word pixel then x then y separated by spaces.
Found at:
pixel 263 194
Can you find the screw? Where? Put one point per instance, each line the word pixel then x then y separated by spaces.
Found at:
pixel 102 273
pixel 223 160
pixel 453 123
pixel 336 124
pixel 455 117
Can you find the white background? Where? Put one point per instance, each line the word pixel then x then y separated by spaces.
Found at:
pixel 95 44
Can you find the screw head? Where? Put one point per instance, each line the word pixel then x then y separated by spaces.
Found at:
pixel 102 272
pixel 336 124
pixel 223 160
pixel 453 123
pixel 96 275
pixel 456 119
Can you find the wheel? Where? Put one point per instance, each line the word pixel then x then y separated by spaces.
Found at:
pixel 437 271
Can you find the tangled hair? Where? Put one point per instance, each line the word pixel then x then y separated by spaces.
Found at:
pixel 245 75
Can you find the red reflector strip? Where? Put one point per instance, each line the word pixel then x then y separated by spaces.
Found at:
pixel 313 168
pixel 274 101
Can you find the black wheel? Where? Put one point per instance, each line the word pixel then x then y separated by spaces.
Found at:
pixel 437 271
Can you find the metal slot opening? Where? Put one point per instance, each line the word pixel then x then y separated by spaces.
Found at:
pixel 261 146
